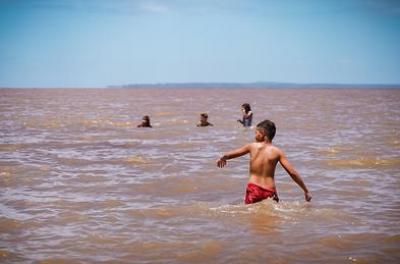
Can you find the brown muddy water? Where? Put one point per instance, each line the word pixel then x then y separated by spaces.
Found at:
pixel 79 183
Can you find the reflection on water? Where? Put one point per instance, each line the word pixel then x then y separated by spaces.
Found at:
pixel 80 183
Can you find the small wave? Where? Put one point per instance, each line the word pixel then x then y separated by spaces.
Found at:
pixel 6 178
pixel 289 212
pixel 72 217
pixel 123 142
pixel 171 211
pixel 10 147
pixel 104 123
pixel 136 160
pixel 9 257
pixel 363 163
pixel 8 225
pixel 333 150
pixel 164 114
pixel 265 207
pixel 76 161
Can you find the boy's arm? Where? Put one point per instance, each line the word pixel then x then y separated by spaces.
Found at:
pixel 233 154
pixel 294 174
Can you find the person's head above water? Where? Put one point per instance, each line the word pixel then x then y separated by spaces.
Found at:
pixel 204 120
pixel 266 130
pixel 246 107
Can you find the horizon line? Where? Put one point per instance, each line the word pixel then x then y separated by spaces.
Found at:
pixel 257 84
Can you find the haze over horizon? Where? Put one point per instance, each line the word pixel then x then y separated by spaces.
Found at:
pixel 71 43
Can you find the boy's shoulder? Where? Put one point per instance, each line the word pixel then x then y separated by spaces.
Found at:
pixel 274 147
pixel 262 145
pixel 277 150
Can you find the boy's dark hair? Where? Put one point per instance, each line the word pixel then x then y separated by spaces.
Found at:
pixel 246 107
pixel 205 115
pixel 268 127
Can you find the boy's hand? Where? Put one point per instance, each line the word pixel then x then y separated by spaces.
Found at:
pixel 221 162
pixel 307 196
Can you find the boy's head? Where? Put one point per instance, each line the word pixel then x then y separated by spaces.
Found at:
pixel 246 107
pixel 267 128
pixel 146 119
pixel 204 116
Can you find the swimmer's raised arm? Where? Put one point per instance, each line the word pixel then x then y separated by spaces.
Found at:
pixel 221 162
pixel 294 175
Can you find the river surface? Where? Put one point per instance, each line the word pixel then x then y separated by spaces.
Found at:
pixel 80 183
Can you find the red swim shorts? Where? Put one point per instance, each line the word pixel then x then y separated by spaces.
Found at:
pixel 255 194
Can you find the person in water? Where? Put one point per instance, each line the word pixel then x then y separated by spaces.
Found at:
pixel 204 120
pixel 247 115
pixel 145 122
pixel 263 159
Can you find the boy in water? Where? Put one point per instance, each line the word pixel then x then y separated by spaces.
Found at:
pixel 247 115
pixel 204 120
pixel 145 122
pixel 263 159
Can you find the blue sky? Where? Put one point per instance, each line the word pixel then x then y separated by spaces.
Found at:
pixel 67 43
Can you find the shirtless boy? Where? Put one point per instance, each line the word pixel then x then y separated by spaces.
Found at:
pixel 263 159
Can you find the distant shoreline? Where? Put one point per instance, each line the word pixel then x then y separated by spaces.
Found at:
pixel 226 85
pixel 260 85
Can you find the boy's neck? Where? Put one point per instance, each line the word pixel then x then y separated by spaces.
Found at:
pixel 265 142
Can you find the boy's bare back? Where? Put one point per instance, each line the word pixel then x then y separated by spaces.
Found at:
pixel 263 160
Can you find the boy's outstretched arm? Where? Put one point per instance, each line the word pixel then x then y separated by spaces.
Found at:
pixel 233 154
pixel 295 175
